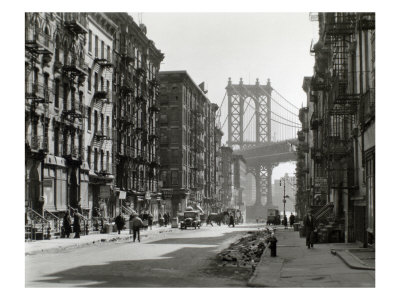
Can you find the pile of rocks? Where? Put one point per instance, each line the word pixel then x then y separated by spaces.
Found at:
pixel 245 252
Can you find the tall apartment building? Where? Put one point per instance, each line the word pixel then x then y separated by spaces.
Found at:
pixel 227 177
pixel 90 116
pixel 187 143
pixel 55 75
pixel 342 149
pixel 239 168
pixel 99 104
pixel 135 85
pixel 217 204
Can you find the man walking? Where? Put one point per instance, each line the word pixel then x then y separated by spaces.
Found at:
pixel 137 223
pixel 77 224
pixel 291 219
pixel 120 222
pixel 231 221
pixel 309 225
pixel 67 224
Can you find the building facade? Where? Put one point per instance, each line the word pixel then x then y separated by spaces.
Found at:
pixel 91 140
pixel 55 73
pixel 227 177
pixel 136 154
pixel 97 196
pixel 187 143
pixel 239 168
pixel 342 121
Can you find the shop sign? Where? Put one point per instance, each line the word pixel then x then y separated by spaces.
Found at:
pixel 122 195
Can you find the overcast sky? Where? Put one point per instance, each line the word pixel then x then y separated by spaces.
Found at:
pixel 212 47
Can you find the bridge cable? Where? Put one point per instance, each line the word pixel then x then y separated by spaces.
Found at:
pixel 286 100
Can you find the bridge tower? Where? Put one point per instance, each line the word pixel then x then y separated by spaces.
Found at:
pixel 238 94
pixel 260 95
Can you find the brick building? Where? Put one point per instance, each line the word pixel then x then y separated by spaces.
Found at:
pixel 337 170
pixel 187 143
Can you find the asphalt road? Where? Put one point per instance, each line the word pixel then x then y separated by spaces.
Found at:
pixel 176 259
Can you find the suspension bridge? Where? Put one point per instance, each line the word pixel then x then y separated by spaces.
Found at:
pixel 262 126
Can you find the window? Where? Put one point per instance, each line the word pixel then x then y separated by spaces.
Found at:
pixel 56 93
pixel 108 53
pixel 89 155
pixel 89 79
pixel 102 49
pixel 56 140
pixel 96 81
pixel 90 41
pixel 108 86
pixel 57 50
pixel 89 118
pixel 96 121
pixel 80 99
pixel 174 177
pixel 102 122
pixel 95 159
pixel 96 46
pixel 108 167
pixel 65 91
pixel 102 160
pixel 102 83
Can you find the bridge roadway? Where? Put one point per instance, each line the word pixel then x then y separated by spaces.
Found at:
pixel 270 153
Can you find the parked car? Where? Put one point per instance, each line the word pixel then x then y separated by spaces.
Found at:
pixel 191 219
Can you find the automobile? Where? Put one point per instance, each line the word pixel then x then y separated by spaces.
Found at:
pixel 190 219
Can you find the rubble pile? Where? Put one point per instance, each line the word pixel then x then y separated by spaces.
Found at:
pixel 245 252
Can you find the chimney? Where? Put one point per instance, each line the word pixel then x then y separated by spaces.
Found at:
pixel 202 87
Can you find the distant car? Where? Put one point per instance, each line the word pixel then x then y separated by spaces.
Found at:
pixel 191 219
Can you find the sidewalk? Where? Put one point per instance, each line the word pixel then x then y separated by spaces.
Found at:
pixel 55 245
pixel 298 266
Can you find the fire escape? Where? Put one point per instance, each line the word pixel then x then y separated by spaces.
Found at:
pixel 103 95
pixel 342 104
pixel 37 94
pixel 75 71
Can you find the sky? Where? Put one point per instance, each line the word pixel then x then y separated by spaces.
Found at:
pixel 212 47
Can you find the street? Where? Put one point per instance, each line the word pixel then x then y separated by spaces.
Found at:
pixel 174 259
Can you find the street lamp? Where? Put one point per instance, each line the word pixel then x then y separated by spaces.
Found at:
pixel 284 199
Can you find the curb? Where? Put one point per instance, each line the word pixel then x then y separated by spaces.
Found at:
pixel 93 242
pixel 351 260
pixel 75 246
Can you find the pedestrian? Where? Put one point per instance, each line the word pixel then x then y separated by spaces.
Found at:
pixel 165 220
pixel 309 226
pixel 130 223
pixel 272 241
pixel 161 220
pixel 77 224
pixel 209 221
pixel 231 221
pixel 137 223
pixel 150 220
pixel 67 224
pixel 285 221
pixel 169 218
pixel 291 219
pixel 120 222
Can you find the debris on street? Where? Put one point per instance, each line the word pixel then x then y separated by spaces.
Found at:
pixel 247 251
